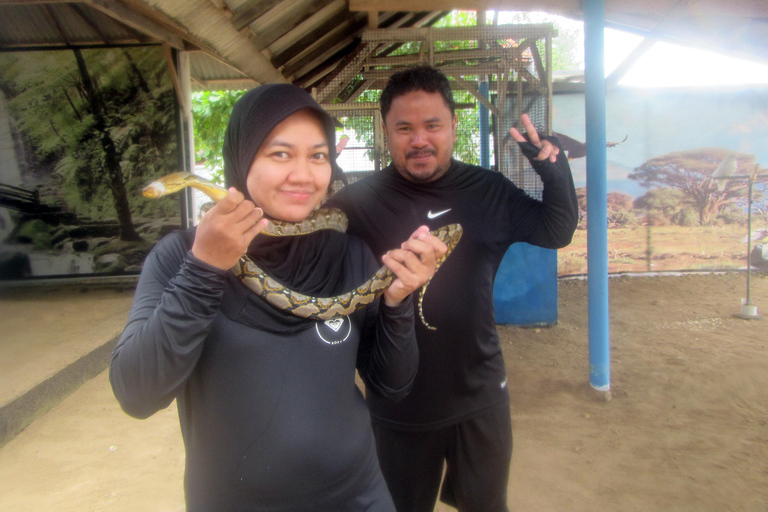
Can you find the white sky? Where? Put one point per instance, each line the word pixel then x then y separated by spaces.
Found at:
pixel 664 65
pixel 669 65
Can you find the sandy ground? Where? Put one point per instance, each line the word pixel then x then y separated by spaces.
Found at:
pixel 46 329
pixel 686 428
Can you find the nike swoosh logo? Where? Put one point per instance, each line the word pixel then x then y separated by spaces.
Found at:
pixel 431 215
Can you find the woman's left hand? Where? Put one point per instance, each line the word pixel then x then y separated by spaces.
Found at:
pixel 413 264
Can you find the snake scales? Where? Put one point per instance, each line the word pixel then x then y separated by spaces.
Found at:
pixel 318 308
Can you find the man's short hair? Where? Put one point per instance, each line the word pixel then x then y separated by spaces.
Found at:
pixel 417 78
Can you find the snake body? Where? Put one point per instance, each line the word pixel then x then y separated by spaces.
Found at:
pixel 317 308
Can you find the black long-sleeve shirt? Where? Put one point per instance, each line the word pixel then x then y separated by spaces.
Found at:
pixel 461 368
pixel 270 414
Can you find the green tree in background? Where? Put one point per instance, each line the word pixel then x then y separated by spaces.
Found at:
pixel 211 111
pixel 567 47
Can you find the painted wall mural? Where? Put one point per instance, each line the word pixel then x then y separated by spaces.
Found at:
pixel 81 132
pixel 664 210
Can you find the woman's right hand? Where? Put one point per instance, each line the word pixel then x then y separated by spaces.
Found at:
pixel 226 230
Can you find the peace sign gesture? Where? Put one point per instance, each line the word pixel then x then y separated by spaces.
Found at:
pixel 548 150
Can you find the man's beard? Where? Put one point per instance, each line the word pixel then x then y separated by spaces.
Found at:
pixel 423 177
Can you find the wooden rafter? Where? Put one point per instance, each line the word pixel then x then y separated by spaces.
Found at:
pixel 505 63
pixel 358 91
pixel 341 36
pixel 344 73
pixel 418 20
pixel 395 19
pixel 301 45
pixel 474 90
pixel 49 14
pixel 454 55
pixel 252 10
pixel 404 35
pixel 316 21
pixel 333 54
pixel 84 15
pixel 137 21
pixel 292 20
pixel 311 80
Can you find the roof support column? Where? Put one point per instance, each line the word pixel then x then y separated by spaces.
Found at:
pixel 597 208
pixel 187 146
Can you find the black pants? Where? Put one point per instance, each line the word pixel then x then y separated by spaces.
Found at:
pixel 477 453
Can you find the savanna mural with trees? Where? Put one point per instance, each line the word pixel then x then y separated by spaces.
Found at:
pixel 685 221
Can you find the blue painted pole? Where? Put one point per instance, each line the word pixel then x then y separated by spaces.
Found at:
pixel 597 207
pixel 485 131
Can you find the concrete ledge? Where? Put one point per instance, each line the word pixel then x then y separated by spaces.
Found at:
pixel 23 410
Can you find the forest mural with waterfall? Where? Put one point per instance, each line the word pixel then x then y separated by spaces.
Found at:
pixel 82 131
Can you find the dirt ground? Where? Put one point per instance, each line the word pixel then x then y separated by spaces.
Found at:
pixel 686 428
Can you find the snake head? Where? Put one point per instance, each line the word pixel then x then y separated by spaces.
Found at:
pixel 154 190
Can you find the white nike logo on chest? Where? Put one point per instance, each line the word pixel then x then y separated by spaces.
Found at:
pixel 431 215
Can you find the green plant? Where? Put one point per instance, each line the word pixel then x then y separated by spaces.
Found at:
pixel 211 111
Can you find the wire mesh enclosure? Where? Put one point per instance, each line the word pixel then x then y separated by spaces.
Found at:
pixel 364 151
pixel 502 70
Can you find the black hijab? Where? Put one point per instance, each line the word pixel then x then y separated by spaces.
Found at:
pixel 311 264
pixel 255 115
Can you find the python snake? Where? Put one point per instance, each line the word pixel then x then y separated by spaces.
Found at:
pixel 316 308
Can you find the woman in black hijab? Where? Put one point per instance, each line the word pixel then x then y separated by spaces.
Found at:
pixel 269 411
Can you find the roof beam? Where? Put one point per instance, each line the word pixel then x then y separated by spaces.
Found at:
pixel 59 28
pixel 224 84
pixel 646 44
pixel 33 2
pixel 449 5
pixel 428 20
pixel 300 45
pixel 709 8
pixel 270 29
pixel 252 10
pixel 136 21
pixel 335 11
pixel 338 37
pixel 310 80
pixel 320 55
pixel 81 13
pixel 208 27
pixel 617 74
pixel 358 91
pixel 404 35
pixel 344 72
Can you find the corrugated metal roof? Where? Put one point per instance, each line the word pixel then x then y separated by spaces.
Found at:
pixel 211 74
pixel 54 24
pixel 245 42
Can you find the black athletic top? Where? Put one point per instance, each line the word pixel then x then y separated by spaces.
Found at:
pixel 270 414
pixel 461 369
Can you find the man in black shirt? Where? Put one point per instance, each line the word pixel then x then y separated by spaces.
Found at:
pixel 458 409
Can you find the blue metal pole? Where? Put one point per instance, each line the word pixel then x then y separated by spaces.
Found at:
pixel 597 207
pixel 485 142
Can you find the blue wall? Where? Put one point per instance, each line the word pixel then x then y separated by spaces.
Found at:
pixel 525 291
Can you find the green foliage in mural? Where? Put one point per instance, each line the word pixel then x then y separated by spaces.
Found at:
pixel 99 123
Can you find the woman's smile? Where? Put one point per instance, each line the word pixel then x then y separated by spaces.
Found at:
pixel 292 169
